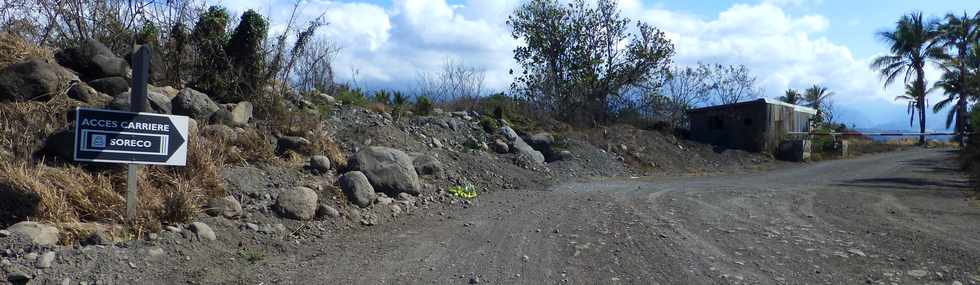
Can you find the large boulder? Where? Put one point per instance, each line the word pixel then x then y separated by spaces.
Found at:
pixel 517 145
pixel 110 85
pixel 427 165
pixel 357 188
pixel 37 233
pixel 93 60
pixel 85 93
pixel 33 80
pixel 544 142
pixel 389 170
pixel 155 102
pixel 235 115
pixel 298 203
pixel 227 207
pixel 194 104
pixel 320 163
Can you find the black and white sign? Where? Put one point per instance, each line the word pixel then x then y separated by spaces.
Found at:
pixel 127 137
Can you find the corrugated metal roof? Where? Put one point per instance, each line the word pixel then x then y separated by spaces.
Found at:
pixel 796 108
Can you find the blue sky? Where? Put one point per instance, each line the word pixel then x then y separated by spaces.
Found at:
pixel 787 43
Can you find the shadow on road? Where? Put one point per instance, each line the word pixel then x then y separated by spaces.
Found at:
pixel 907 184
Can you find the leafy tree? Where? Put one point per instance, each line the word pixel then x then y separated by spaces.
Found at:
pixel 244 51
pixel 792 96
pixel 212 69
pixel 577 57
pixel 683 89
pixel 958 34
pixel 911 44
pixel 733 84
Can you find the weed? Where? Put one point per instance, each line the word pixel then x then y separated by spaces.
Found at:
pixel 467 191
pixel 251 255
pixel 423 106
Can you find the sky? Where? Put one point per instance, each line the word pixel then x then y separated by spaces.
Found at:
pixel 786 43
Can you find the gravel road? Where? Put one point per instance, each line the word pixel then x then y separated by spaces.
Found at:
pixel 889 218
pixel 893 218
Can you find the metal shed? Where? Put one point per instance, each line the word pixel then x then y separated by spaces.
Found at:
pixel 758 125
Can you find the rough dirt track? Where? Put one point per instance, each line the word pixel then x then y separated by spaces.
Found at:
pixel 897 217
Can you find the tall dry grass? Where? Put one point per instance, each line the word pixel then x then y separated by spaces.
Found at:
pixel 14 49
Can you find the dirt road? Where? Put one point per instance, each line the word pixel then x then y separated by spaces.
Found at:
pixel 897 217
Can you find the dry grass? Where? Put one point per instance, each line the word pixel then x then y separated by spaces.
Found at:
pixel 32 187
pixel 14 49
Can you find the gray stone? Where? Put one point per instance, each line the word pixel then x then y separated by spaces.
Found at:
pixel 385 200
pixel 542 139
pixel 227 207
pixel 520 147
pixel 172 229
pixel 918 273
pixel 203 231
pixel 223 132
pixel 194 104
pixel 111 86
pixel 358 188
pixel 251 226
pixel 4 233
pixel 297 203
pixel 155 102
pixel 61 144
pixel 46 260
pixel 39 234
pixel 389 170
pixel 566 155
pixel 406 197
pixel 17 277
pixel 168 91
pixel 297 144
pixel 427 165
pixel 33 80
pixel 93 60
pixel 155 251
pixel 242 113
pixel 85 93
pixel 327 98
pixel 500 146
pixel 327 211
pixel 320 163
pixel 99 237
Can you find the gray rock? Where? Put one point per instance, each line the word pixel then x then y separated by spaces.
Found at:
pixel 385 200
pixel 406 197
pixel 297 203
pixel 223 132
pixel 520 147
pixel 242 113
pixel 194 104
pixel 297 144
pixel 172 229
pixel 227 207
pixel 155 251
pixel 566 155
pixel 500 146
pixel 46 260
pixel 39 234
pixel 918 273
pixel 541 139
pixel 251 226
pixel 99 237
pixel 61 144
pixel 155 102
pixel 17 277
pixel 168 91
pixel 203 231
pixel 389 170
pixel 33 80
pixel 327 211
pixel 85 93
pixel 358 188
pixel 93 60
pixel 4 233
pixel 320 163
pixel 327 98
pixel 427 165
pixel 111 86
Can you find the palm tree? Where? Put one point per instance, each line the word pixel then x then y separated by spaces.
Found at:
pixel 911 95
pixel 816 95
pixel 910 44
pixel 959 34
pixel 792 97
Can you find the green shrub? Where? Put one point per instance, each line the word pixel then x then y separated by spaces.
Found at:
pixel 212 68
pixel 382 97
pixel 423 106
pixel 489 124
pixel 467 191
pixel 245 53
pixel 353 96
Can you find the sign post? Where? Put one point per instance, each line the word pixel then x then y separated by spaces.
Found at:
pixel 133 138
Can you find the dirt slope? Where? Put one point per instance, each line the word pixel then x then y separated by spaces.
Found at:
pixel 897 217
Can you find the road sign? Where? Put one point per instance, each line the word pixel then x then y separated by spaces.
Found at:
pixel 130 137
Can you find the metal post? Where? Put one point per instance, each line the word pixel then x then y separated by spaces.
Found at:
pixel 137 103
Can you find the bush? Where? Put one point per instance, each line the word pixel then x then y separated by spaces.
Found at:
pixel 489 124
pixel 423 106
pixel 354 96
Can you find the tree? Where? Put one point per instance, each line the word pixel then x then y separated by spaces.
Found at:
pixel 456 82
pixel 912 96
pixel 576 58
pixel 816 95
pixel 958 34
pixel 212 67
pixel 683 89
pixel 314 69
pixel 244 50
pixel 792 97
pixel 732 84
pixel 911 44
